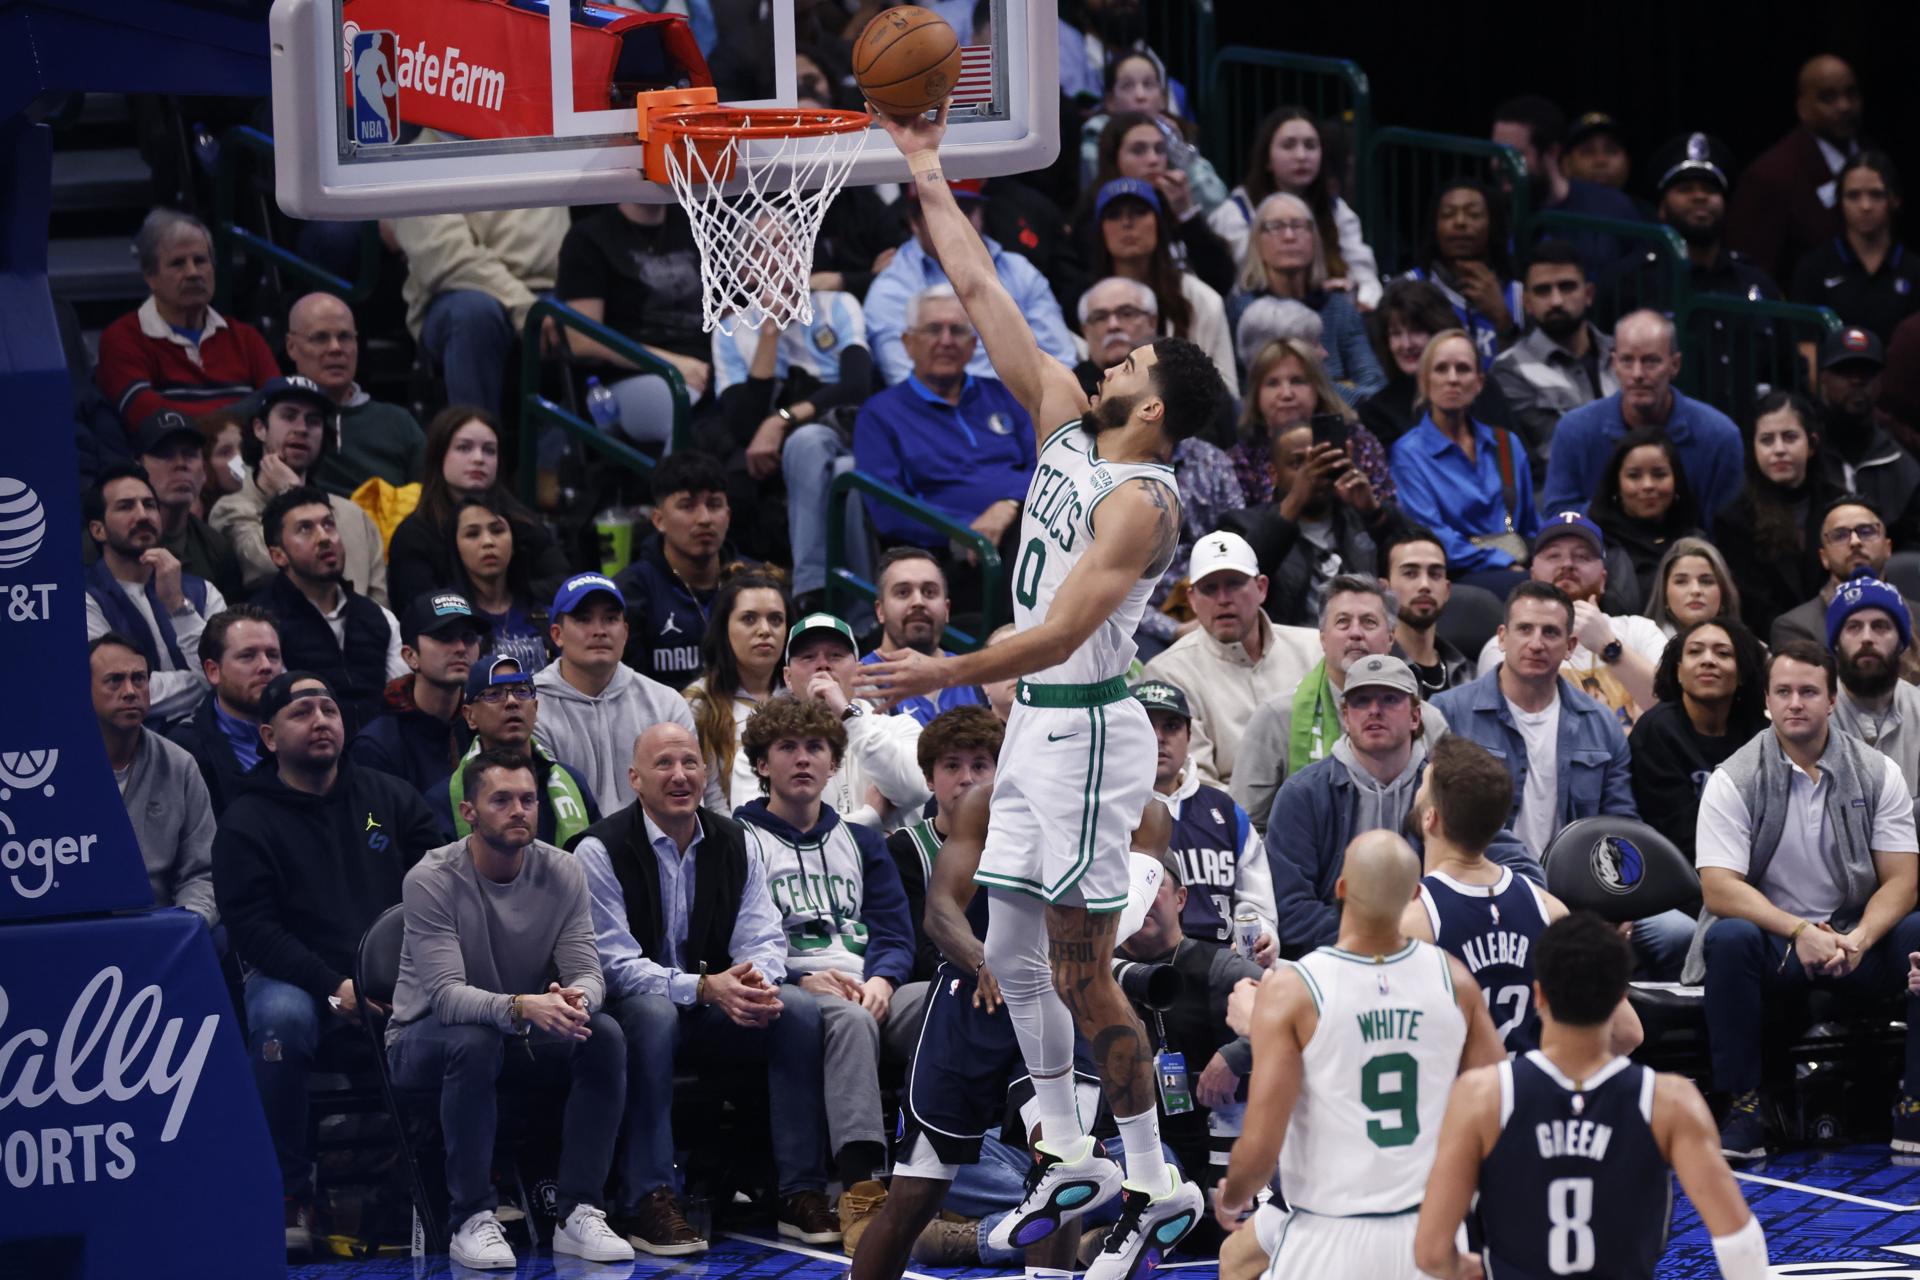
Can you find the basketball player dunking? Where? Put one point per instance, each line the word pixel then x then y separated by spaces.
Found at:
pixel 1100 524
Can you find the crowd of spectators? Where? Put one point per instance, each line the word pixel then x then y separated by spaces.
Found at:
pixel 636 809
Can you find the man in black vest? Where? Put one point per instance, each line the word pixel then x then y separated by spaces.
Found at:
pixel 325 625
pixel 693 954
pixel 138 589
pixel 1223 865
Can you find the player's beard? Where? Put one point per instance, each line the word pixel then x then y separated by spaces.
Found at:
pixel 1110 414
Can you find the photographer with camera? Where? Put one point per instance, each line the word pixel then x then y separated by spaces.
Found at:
pixel 1202 1064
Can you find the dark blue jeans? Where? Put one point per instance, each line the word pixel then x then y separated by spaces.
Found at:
pixel 1745 975
pixel 470 336
pixel 283 1030
pixel 660 1033
pixel 466 1062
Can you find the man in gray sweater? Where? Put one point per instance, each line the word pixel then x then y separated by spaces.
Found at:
pixel 499 947
pixel 160 784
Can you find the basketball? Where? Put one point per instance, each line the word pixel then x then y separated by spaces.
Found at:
pixel 907 60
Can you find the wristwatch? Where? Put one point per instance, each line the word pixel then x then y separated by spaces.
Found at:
pixel 855 709
pixel 786 415
pixel 1611 654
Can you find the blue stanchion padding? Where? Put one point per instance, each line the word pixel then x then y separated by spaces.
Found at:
pixel 129 1124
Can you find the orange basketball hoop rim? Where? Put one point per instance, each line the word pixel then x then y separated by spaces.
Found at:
pixel 691 122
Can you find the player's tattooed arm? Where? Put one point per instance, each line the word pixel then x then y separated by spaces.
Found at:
pixel 1165 510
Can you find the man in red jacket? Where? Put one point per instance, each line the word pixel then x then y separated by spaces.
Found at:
pixel 1786 203
pixel 176 351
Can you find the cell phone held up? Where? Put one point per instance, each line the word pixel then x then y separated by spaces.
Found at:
pixel 1330 428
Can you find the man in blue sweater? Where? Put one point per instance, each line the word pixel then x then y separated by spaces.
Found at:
pixel 956 440
pixel 849 939
pixel 1367 783
pixel 1646 360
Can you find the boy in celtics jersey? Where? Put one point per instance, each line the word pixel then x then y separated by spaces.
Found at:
pixel 1354 1049
pixel 1100 524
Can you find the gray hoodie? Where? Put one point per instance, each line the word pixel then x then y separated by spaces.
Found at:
pixel 596 735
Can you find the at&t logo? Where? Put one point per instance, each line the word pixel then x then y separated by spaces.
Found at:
pixel 23 527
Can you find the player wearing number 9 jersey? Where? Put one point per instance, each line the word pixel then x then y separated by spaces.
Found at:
pixel 1354 1049
pixel 1100 524
pixel 1569 1144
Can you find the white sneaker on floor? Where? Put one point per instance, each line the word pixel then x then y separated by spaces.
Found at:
pixel 1061 1184
pixel 482 1245
pixel 1149 1228
pixel 585 1234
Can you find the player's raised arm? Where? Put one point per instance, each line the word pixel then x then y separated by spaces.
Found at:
pixel 1136 531
pixel 1466 1135
pixel 1045 388
pixel 1684 1128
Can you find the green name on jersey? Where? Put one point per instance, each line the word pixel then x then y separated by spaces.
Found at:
pixel 1389 1024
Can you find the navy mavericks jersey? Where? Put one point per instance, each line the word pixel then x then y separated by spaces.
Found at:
pixel 1575 1185
pixel 1493 928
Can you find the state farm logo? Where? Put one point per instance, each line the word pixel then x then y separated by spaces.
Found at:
pixel 31 861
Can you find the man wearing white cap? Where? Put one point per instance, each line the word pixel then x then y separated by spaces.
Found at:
pixel 1236 659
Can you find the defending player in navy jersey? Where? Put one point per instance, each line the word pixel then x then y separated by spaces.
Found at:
pixel 1354 1048
pixel 1570 1144
pixel 967 1056
pixel 1100 524
pixel 1476 909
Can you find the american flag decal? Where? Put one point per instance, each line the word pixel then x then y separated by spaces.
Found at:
pixel 975 86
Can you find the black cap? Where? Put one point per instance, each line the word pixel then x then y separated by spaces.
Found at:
pixel 293 387
pixel 1590 123
pixel 435 614
pixel 279 692
pixel 1693 155
pixel 1852 346
pixel 1158 695
pixel 158 428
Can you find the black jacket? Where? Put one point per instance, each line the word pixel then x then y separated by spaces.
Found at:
pixel 207 743
pixel 299 878
pixel 666 619
pixel 415 747
pixel 356 672
pixel 420 559
pixel 1288 559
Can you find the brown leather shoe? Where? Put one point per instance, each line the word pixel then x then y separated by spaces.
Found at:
pixel 659 1227
pixel 946 1243
pixel 860 1204
pixel 804 1216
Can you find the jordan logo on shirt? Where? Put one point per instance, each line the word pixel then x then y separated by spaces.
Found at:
pixel 669 627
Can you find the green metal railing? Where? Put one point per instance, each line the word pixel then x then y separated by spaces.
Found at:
pixel 1247 83
pixel 1403 169
pixel 1660 279
pixel 1734 347
pixel 844 584
pixel 1182 33
pixel 536 411
pixel 241 149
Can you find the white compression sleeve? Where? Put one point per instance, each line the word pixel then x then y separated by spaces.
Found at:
pixel 1144 874
pixel 1016 952
pixel 1743 1255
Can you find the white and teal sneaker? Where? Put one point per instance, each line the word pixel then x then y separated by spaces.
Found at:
pixel 1062 1184
pixel 1149 1228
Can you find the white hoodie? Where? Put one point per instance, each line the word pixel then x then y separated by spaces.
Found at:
pixel 596 735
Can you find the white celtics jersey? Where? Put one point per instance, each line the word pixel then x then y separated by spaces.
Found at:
pixel 1376 1076
pixel 1056 527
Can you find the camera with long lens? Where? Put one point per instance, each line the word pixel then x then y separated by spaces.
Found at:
pixel 1151 986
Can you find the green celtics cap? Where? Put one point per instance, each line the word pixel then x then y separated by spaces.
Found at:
pixel 821 622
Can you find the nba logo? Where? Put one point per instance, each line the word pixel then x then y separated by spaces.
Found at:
pixel 376 88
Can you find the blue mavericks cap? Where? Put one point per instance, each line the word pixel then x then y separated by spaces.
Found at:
pixel 496 670
pixel 1864 591
pixel 1569 523
pixel 574 591
pixel 1119 187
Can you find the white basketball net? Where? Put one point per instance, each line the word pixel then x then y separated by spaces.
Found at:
pixel 756 245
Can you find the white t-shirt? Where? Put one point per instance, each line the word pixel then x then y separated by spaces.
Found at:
pixel 1539 798
pixel 1798 879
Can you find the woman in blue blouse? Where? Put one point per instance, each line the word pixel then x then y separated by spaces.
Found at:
pixel 1465 480
pixel 1286 259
